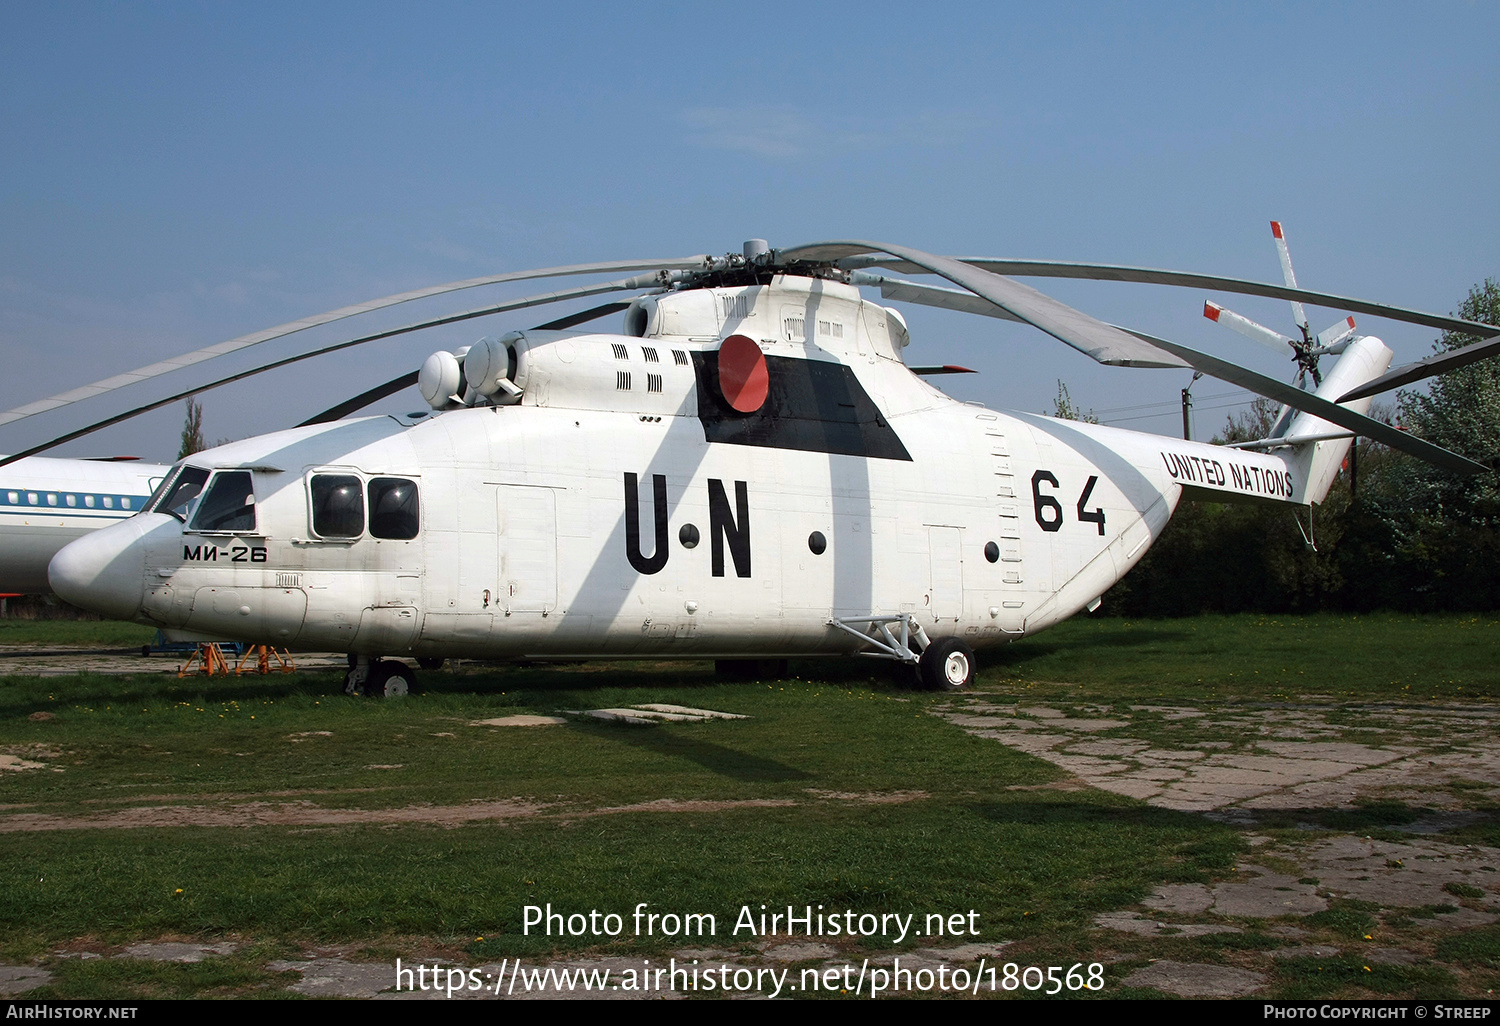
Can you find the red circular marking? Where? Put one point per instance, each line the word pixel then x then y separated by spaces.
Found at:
pixel 742 374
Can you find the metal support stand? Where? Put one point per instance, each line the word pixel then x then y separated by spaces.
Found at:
pixel 210 660
pixel 263 655
pixel 888 645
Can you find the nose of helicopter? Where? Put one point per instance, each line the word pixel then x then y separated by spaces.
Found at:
pixel 103 571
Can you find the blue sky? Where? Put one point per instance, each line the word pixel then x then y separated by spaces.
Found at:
pixel 177 175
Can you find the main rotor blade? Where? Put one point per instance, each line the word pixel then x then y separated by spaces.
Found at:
pixel 931 295
pixel 582 317
pixel 397 384
pixel 362 400
pixel 542 299
pixel 1294 397
pixel 1103 342
pixel 255 338
pixel 849 256
pixel 1441 363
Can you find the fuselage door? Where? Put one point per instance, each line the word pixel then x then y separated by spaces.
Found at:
pixel 945 545
pixel 528 549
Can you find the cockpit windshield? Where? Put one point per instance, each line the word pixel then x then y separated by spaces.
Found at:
pixel 179 493
pixel 229 503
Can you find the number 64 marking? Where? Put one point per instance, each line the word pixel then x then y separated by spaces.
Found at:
pixel 1049 512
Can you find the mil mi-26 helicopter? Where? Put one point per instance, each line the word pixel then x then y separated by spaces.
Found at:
pixel 748 470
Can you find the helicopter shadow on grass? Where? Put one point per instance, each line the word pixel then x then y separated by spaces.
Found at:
pixel 1123 636
pixel 125 691
pixel 724 761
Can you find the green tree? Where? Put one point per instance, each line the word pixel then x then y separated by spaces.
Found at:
pixel 1426 538
pixel 192 430
pixel 1064 409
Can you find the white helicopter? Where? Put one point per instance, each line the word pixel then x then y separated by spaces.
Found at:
pixel 749 470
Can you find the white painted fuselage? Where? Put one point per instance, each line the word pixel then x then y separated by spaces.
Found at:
pixel 622 508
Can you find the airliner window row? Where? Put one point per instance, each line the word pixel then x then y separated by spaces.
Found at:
pixel 71 500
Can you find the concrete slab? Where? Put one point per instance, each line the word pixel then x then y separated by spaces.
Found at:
pixel 18 979
pixel 1183 899
pixel 1410 875
pixel 338 977
pixel 520 720
pixel 1131 922
pixel 683 710
pixel 175 951
pixel 1362 755
pixel 1189 979
pixel 806 952
pixel 1305 951
pixel 1266 894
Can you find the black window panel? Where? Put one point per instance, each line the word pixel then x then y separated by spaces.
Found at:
pixel 179 490
pixel 393 508
pixel 228 505
pixel 338 504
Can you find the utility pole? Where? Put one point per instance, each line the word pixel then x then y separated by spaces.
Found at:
pixel 1187 408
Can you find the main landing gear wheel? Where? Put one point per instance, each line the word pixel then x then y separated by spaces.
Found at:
pixel 389 679
pixel 946 665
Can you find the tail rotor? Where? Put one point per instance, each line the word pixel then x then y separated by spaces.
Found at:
pixel 1305 350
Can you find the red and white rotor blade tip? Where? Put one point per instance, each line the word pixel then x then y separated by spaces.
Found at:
pixel 1287 273
pixel 1336 333
pixel 1245 326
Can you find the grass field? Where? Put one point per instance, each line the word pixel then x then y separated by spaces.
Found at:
pixel 278 812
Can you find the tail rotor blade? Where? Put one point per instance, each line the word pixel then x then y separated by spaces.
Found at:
pixel 1333 335
pixel 1273 340
pixel 1298 314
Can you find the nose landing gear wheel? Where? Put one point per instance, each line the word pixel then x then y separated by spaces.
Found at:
pixel 946 665
pixel 389 679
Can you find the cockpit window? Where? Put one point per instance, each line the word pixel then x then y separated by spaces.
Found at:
pixel 229 504
pixel 177 494
pixel 393 508
pixel 338 506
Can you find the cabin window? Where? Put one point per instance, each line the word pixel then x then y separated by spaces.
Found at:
pixel 338 505
pixel 109 502
pixel 31 499
pixel 13 498
pixel 228 505
pixel 52 498
pixel 72 500
pixel 88 500
pixel 178 495
pixel 393 508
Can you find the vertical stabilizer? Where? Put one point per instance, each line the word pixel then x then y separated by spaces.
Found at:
pixel 1316 463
